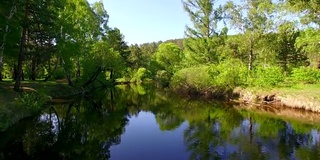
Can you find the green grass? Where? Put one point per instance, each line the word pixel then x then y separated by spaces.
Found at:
pixel 306 90
pixel 17 105
pixel 303 96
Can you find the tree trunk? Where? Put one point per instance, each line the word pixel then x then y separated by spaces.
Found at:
pixel 93 77
pixel 250 62
pixel 70 83
pixel 50 73
pixel 112 98
pixel 78 68
pixel 22 75
pixel 14 74
pixel 33 69
pixel 111 75
pixel 250 130
pixel 4 38
pixel 22 47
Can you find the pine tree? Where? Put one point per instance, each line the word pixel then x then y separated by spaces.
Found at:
pixel 200 39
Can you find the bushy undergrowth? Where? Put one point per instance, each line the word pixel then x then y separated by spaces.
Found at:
pixel 305 75
pixel 25 105
pixel 163 78
pixel 193 77
pixel 33 101
pixel 59 73
pixel 229 73
pixel 266 76
pixel 139 75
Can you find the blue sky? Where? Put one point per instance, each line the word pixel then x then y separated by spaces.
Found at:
pixel 142 21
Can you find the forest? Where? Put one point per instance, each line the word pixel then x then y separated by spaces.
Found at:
pixel 276 43
pixel 71 87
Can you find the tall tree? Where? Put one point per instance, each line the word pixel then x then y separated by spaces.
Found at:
pixel 23 43
pixel 309 14
pixel 116 41
pixel 252 19
pixel 169 55
pixel 135 60
pixel 287 53
pixel 80 26
pixel 308 9
pixel 200 42
pixel 4 30
pixel 309 42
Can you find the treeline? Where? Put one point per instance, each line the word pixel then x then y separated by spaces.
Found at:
pixel 68 39
pixel 276 42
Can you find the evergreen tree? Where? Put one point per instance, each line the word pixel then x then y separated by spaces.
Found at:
pixel 201 39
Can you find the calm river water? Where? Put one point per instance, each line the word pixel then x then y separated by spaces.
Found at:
pixel 140 123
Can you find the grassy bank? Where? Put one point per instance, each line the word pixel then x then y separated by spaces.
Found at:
pixel 300 96
pixel 17 105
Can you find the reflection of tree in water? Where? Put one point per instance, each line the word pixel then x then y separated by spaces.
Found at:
pixel 87 129
pixel 230 135
pixel 168 122
pixel 76 131
pixel 205 138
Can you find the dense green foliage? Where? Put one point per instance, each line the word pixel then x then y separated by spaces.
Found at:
pixel 306 75
pixel 264 53
pixel 194 77
pixel 71 39
pixel 65 39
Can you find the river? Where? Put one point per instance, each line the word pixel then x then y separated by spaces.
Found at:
pixel 140 122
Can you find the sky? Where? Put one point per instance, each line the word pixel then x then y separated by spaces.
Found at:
pixel 142 21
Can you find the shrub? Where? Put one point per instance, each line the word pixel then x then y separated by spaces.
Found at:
pixel 139 75
pixel 193 77
pixel 59 73
pixel 305 75
pixel 33 101
pixel 266 76
pixel 229 73
pixel 163 78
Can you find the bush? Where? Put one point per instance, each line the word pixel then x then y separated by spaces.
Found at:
pixel 59 74
pixel 305 75
pixel 266 76
pixel 139 75
pixel 33 101
pixel 163 78
pixel 229 73
pixel 193 77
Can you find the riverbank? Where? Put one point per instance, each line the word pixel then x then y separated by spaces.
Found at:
pixel 302 96
pixel 306 97
pixel 18 105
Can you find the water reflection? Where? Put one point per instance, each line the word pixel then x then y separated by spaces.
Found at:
pixel 139 122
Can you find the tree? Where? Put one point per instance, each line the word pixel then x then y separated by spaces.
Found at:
pixel 309 42
pixel 135 59
pixel 200 42
pixel 309 10
pixel 169 56
pixel 309 14
pixel 4 30
pixel 287 53
pixel 22 44
pixel 80 26
pixel 116 41
pixel 252 19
